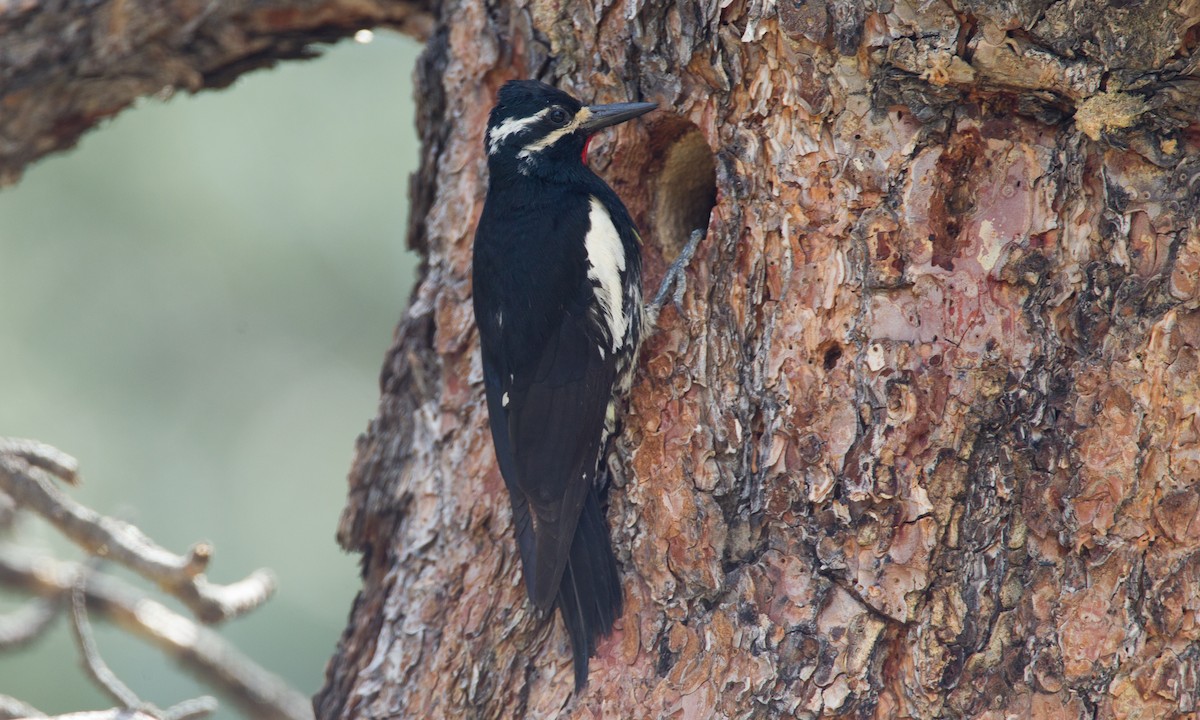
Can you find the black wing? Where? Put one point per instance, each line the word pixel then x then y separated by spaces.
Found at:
pixel 567 558
pixel 549 386
pixel 554 420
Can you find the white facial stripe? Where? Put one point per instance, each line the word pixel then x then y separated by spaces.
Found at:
pixel 512 125
pixel 606 262
pixel 554 136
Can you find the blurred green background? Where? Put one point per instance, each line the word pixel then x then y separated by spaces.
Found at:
pixel 195 303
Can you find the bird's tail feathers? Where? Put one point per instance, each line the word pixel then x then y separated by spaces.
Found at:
pixel 589 597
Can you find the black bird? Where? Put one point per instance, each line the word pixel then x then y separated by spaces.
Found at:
pixel 558 303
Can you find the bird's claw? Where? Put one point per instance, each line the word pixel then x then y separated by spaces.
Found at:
pixel 680 289
pixel 676 275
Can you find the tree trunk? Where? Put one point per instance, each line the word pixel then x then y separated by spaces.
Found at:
pixel 66 66
pixel 923 440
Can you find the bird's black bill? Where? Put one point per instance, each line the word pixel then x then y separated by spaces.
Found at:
pixel 605 115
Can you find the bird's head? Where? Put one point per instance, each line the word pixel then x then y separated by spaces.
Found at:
pixel 537 129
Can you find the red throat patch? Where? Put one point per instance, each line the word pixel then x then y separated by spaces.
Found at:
pixel 586 144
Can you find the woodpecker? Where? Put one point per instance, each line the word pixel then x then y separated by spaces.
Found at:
pixel 558 303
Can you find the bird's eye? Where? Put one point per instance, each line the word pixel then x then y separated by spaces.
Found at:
pixel 558 116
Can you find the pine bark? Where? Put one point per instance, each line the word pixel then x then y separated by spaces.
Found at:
pixel 923 440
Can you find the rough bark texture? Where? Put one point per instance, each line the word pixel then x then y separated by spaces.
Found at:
pixel 924 440
pixel 66 65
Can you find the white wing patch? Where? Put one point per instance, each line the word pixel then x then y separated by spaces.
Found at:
pixel 552 137
pixel 606 262
pixel 509 127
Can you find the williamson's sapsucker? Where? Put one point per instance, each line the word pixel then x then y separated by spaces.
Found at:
pixel 558 302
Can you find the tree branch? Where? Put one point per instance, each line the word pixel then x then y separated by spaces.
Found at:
pixel 111 714
pixel 108 680
pixel 43 456
pixel 10 707
pixel 27 623
pixel 64 67
pixel 199 650
pixel 96 668
pixel 32 487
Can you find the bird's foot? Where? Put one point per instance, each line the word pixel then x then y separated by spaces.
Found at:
pixel 676 276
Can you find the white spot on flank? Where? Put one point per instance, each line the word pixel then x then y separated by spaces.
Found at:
pixel 606 262
pixel 504 400
pixel 553 136
pixel 510 126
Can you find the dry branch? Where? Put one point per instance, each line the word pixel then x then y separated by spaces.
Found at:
pixel 27 623
pixel 64 67
pixel 33 488
pixel 200 651
pixel 103 675
pixel 43 456
pixel 27 479
pixel 96 668
pixel 10 708
pixel 113 714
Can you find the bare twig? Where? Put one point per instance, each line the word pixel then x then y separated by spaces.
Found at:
pixel 112 714
pixel 27 623
pixel 10 708
pixel 30 484
pixel 193 708
pixel 199 650
pixel 8 512
pixel 92 662
pixel 39 454
pixel 107 679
